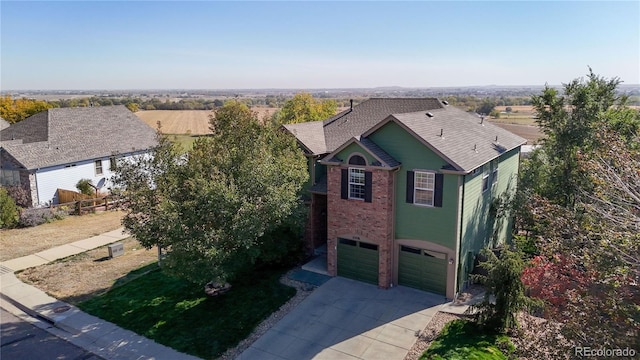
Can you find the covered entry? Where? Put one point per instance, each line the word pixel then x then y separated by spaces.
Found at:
pixel 358 260
pixel 422 269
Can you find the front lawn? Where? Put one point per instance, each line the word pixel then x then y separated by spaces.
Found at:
pixel 178 314
pixel 461 339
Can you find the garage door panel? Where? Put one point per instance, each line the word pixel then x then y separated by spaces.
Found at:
pixel 422 269
pixel 357 260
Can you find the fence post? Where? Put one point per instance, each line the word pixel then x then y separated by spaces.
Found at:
pixel 79 207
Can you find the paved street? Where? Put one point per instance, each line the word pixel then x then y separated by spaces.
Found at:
pixel 21 340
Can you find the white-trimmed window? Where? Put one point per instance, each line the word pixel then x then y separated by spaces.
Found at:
pixel 486 171
pixel 356 183
pixel 424 185
pixel 98 165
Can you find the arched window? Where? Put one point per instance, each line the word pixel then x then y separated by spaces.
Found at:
pixel 357 160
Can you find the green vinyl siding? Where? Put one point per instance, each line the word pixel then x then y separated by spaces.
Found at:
pixel 354 148
pixel 437 225
pixel 478 226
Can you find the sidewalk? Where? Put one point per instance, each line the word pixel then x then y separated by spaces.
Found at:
pixel 67 321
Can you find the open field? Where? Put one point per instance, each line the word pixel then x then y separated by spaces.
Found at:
pixel 530 132
pixel 21 242
pixel 195 122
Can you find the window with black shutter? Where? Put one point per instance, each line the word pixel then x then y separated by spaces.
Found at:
pixel 424 188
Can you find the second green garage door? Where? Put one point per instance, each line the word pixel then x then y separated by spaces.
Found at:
pixel 422 269
pixel 358 260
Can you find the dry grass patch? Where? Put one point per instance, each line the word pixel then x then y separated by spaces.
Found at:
pixel 21 242
pixel 83 276
pixel 194 122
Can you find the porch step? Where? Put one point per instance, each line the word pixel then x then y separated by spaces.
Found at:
pixel 317 265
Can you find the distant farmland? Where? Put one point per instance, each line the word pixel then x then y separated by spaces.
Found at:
pixel 194 122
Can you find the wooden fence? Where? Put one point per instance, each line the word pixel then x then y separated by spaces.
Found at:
pixel 68 196
pixel 84 206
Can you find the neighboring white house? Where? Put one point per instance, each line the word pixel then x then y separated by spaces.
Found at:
pixel 56 148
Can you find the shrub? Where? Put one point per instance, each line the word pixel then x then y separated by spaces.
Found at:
pixel 19 195
pixel 84 186
pixel 8 210
pixel 505 295
pixel 35 217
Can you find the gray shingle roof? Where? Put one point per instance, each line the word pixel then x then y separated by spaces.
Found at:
pixel 310 134
pixel 66 135
pixel 322 137
pixel 377 151
pixel 320 187
pixel 466 142
pixel 4 124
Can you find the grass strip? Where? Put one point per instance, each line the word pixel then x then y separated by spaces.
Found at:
pixel 462 340
pixel 178 314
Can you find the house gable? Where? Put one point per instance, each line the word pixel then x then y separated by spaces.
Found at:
pixel 434 224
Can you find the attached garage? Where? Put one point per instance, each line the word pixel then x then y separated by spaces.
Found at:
pixel 358 260
pixel 422 269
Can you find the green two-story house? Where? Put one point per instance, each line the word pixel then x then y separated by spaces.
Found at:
pixel 403 191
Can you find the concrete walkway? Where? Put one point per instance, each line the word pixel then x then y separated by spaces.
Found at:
pixel 63 251
pixel 67 321
pixel 347 319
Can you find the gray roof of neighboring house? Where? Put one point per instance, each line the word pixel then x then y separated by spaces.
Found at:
pixel 322 137
pixel 66 135
pixel 467 140
pixel 4 124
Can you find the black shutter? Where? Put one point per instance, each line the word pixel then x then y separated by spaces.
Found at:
pixel 344 184
pixel 367 186
pixel 410 187
pixel 437 197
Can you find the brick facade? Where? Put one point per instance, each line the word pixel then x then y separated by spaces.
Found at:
pixel 358 220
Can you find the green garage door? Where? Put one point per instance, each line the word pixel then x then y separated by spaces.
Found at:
pixel 423 269
pixel 358 260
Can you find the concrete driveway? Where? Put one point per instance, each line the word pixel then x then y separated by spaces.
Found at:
pixel 347 319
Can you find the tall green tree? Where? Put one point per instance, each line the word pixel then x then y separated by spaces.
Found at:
pixel 571 121
pixel 215 208
pixel 580 200
pixel 302 108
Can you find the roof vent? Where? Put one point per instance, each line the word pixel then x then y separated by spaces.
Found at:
pixel 482 120
pixel 429 114
pixel 475 148
pixel 442 133
pixel 445 102
pixel 496 139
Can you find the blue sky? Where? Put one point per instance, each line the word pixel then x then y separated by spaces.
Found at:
pixel 226 45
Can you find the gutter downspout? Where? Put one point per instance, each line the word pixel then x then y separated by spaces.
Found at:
pixel 464 178
pixel 394 259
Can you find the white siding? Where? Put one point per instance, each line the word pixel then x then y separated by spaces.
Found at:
pixel 61 177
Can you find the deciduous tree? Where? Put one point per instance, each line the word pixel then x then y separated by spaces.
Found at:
pixel 215 209
pixel 302 108
pixel 19 109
